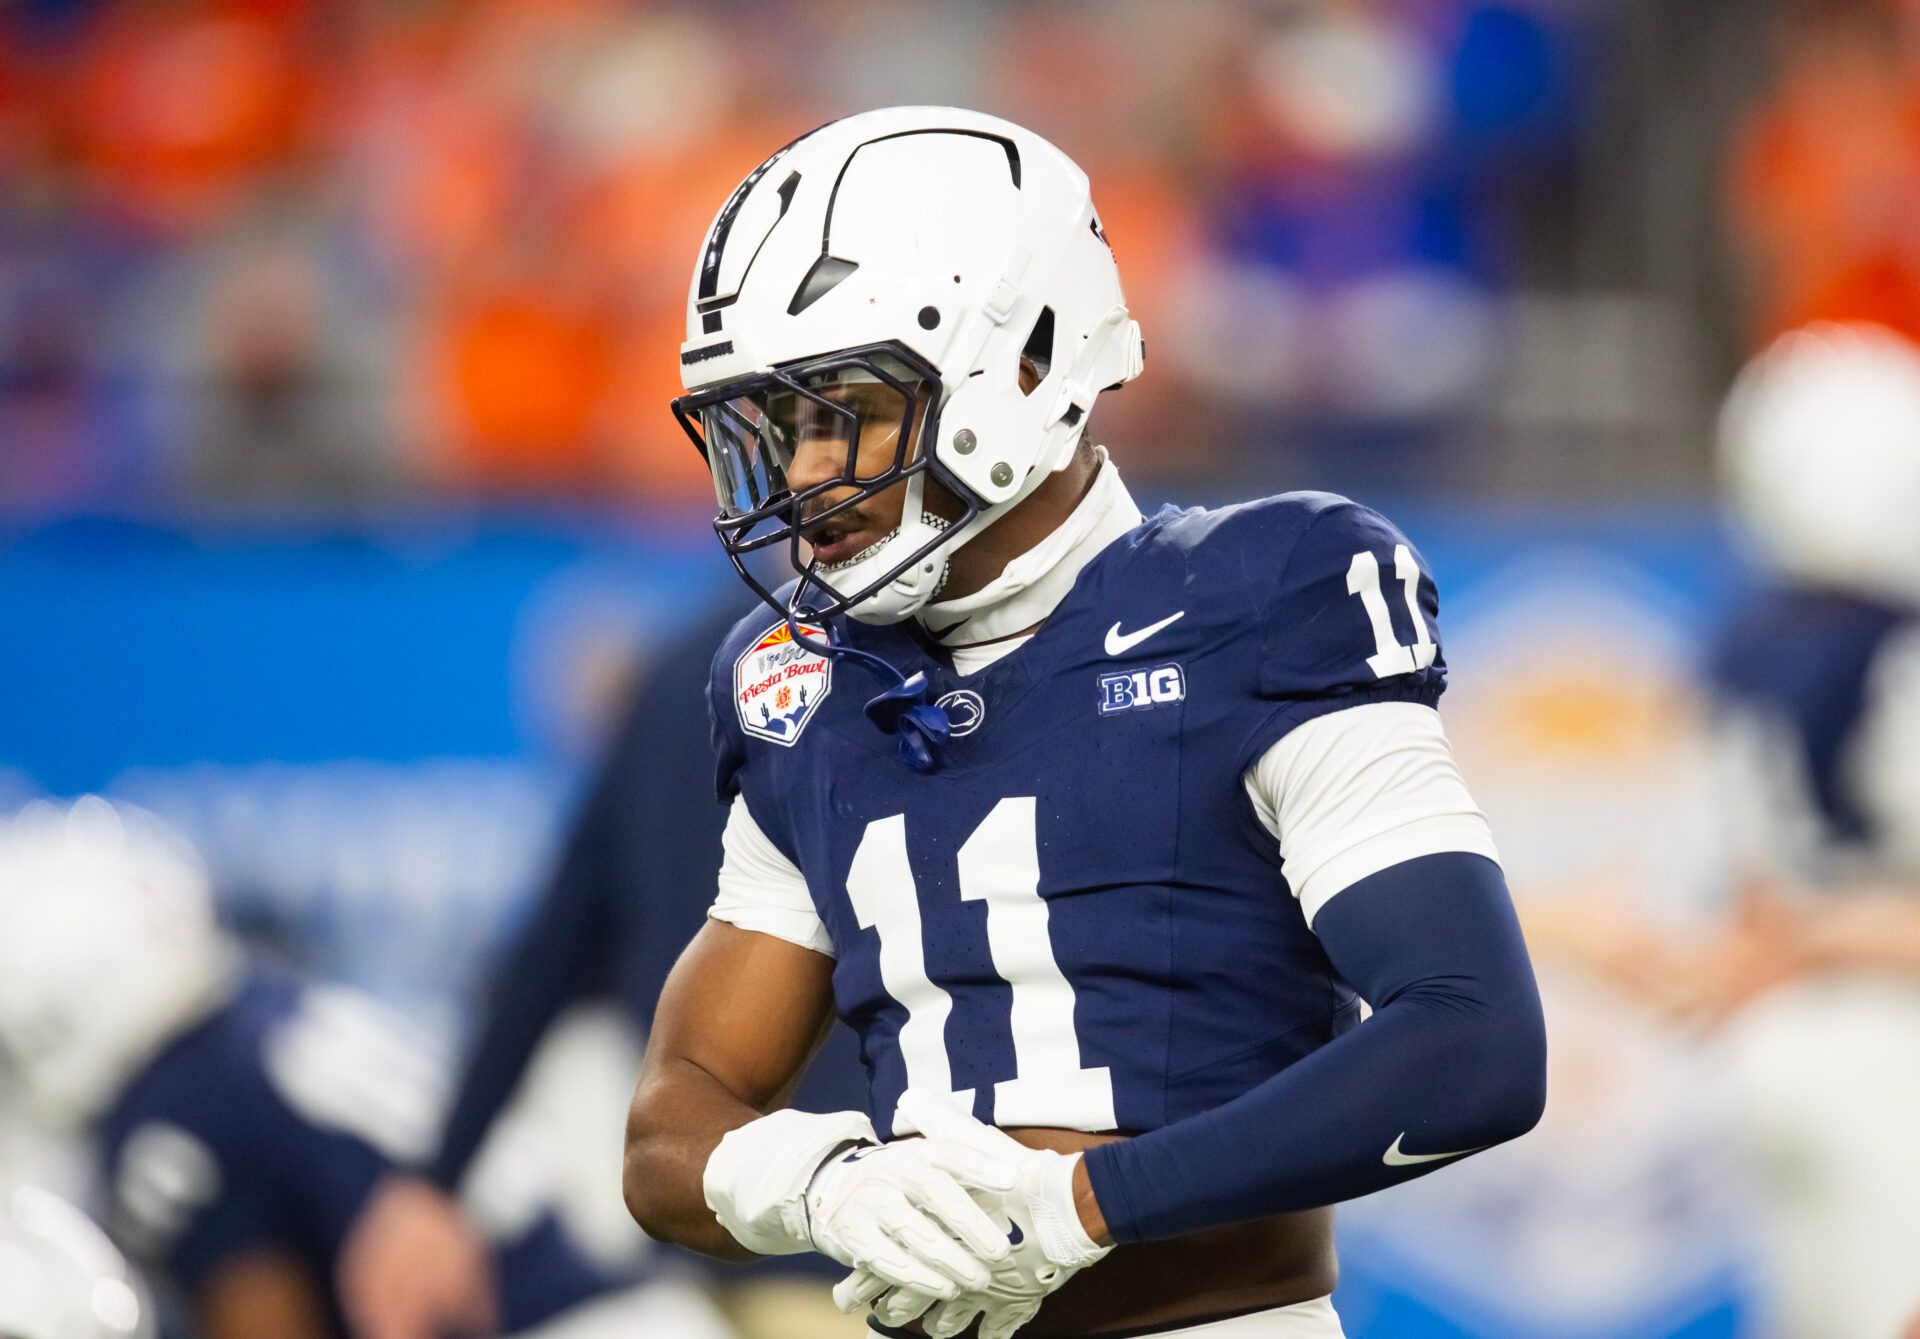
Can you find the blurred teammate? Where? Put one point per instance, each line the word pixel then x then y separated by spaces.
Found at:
pixel 60 1278
pixel 1819 680
pixel 630 890
pixel 241 1115
pixel 1096 829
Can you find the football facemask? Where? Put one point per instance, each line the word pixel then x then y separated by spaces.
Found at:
pixel 920 247
pixel 803 455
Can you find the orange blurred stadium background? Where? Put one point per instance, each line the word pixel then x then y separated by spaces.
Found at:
pixel 274 250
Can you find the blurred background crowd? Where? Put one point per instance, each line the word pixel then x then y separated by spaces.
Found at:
pixel 341 512
pixel 277 251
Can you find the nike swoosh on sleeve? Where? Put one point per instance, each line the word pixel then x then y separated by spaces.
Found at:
pixel 1393 1157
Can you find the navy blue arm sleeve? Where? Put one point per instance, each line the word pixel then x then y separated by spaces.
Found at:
pixel 1452 1060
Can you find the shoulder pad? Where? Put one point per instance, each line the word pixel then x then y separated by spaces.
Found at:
pixel 1354 606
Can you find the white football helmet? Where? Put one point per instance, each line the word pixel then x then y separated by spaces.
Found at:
pixel 916 252
pixel 1820 446
pixel 108 947
pixel 60 1278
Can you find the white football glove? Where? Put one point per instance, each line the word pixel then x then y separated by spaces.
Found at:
pixel 1009 1302
pixel 1047 1243
pixel 793 1181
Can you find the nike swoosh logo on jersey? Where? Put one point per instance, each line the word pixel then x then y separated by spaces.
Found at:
pixel 1119 643
pixel 1393 1157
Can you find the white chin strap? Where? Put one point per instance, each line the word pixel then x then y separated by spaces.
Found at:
pixel 910 592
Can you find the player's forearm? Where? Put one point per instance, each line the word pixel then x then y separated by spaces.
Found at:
pixel 679 1115
pixel 1873 932
pixel 1452 1061
pixel 1336 1126
pixel 741 1015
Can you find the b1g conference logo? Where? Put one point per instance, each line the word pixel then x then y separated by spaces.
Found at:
pixel 778 684
pixel 1134 690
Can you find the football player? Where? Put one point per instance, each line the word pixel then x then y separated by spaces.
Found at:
pixel 60 1278
pixel 1097 829
pixel 241 1115
pixel 1818 670
pixel 1818 681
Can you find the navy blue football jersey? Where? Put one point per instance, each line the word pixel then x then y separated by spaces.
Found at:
pixel 242 1136
pixel 1078 920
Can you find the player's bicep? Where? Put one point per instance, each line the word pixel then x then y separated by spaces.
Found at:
pixel 743 1007
pixel 1354 792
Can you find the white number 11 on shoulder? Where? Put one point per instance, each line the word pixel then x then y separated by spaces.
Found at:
pixel 1391 658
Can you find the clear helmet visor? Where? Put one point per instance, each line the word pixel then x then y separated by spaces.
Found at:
pixel 775 443
pixel 837 436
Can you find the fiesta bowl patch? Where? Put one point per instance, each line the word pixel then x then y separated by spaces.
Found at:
pixel 778 684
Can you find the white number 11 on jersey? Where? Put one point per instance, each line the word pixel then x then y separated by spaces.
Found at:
pixel 1363 579
pixel 999 865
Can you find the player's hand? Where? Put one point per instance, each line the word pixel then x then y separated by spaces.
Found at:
pixel 1010 1301
pixel 1052 1242
pixel 1047 1244
pixel 901 1214
pixel 999 1316
pixel 413 1267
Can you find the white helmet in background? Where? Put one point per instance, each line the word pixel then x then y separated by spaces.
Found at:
pixel 917 252
pixel 60 1278
pixel 108 947
pixel 1820 446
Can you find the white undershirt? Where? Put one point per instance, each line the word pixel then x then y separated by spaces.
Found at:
pixel 978 629
pixel 1345 795
pixel 972 659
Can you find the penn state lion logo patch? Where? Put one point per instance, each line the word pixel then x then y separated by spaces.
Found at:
pixel 778 684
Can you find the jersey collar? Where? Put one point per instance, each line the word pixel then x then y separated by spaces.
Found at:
pixel 1034 584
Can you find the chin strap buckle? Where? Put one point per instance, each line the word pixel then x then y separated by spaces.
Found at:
pixel 921 727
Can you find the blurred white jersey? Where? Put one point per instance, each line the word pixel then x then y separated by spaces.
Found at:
pixel 1826 1078
pixel 1820 780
